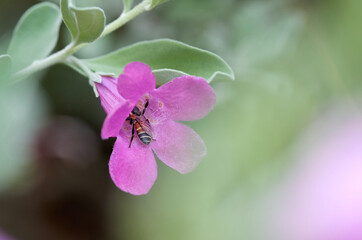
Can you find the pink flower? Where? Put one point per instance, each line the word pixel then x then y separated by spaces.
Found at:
pixel 132 166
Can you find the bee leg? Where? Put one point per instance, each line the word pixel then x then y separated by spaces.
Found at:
pixel 132 136
pixel 144 109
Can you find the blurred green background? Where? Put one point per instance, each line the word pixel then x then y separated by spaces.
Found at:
pixel 291 58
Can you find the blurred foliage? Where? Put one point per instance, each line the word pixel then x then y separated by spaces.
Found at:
pixel 291 58
pixel 20 119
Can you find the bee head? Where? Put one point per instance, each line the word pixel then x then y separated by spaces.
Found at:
pixel 136 111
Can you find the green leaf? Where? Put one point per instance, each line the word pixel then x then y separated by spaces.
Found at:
pixel 90 23
pixel 167 58
pixel 5 68
pixel 84 24
pixel 35 35
pixel 155 3
pixel 127 5
pixel 69 18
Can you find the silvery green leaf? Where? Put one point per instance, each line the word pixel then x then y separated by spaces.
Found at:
pixel 127 5
pixel 155 3
pixel 69 17
pixel 167 58
pixel 84 24
pixel 5 68
pixel 90 22
pixel 35 35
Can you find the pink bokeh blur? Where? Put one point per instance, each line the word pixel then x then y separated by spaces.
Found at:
pixel 321 198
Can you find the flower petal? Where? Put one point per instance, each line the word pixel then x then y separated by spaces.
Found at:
pixel 114 120
pixel 134 169
pixel 136 80
pixel 178 146
pixel 108 93
pixel 186 98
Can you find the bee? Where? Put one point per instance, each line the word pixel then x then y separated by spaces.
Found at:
pixel 139 122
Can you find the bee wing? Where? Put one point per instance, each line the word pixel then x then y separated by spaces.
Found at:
pixel 145 125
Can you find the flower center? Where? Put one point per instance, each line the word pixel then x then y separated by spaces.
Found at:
pixel 143 119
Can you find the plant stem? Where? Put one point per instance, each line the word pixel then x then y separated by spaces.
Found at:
pixel 75 61
pixel 61 55
pixel 44 63
pixel 126 17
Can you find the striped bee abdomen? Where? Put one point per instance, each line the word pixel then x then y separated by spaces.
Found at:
pixel 143 136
